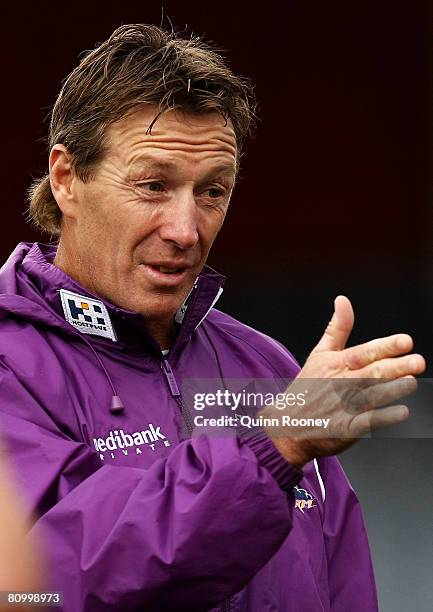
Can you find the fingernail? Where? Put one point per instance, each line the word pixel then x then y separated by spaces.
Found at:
pixel 414 362
pixel 403 342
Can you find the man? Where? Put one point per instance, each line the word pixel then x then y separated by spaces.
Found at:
pixel 100 331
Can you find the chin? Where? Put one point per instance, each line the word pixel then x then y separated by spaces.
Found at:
pixel 165 309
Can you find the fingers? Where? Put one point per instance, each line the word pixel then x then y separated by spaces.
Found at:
pixel 339 327
pixel 390 369
pixel 377 395
pixel 375 419
pixel 357 357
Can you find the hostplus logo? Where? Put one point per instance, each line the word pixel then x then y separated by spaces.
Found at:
pixel 118 442
pixel 87 315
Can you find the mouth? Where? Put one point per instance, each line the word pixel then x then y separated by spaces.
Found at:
pixel 168 275
pixel 166 270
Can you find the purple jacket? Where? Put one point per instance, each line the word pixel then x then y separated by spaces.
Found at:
pixel 133 516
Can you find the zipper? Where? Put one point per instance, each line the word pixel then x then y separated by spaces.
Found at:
pixel 169 375
pixel 174 388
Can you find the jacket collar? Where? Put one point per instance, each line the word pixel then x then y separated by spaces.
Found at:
pixel 37 268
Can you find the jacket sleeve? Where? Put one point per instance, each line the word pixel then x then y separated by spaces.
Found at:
pixel 184 534
pixel 350 569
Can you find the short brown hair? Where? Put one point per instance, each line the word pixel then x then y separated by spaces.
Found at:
pixel 137 64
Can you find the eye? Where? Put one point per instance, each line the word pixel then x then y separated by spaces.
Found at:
pixel 215 192
pixel 154 186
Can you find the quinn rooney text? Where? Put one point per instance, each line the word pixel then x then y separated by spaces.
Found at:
pixel 260 421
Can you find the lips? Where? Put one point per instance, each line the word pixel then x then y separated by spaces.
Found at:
pixel 167 270
pixel 167 274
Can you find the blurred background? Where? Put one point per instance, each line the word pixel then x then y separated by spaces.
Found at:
pixel 335 196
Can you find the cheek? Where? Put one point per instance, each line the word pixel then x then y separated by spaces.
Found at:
pixel 112 215
pixel 210 224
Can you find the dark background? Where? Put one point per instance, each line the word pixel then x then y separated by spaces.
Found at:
pixel 335 197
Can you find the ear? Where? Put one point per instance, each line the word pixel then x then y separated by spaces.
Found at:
pixel 62 179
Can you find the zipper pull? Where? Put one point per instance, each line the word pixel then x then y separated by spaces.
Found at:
pixel 166 368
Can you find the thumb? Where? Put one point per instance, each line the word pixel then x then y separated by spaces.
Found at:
pixel 339 328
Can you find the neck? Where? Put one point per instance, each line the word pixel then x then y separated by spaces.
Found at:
pixel 163 332
pixel 62 261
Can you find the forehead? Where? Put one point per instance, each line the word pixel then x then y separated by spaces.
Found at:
pixel 175 137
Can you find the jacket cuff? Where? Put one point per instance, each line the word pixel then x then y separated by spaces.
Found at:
pixel 269 456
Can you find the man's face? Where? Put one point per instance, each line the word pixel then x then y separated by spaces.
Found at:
pixel 145 223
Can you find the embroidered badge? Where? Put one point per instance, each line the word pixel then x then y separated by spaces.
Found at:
pixel 303 499
pixel 87 315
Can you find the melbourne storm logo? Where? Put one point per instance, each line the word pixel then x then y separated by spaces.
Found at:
pixel 87 315
pixel 303 499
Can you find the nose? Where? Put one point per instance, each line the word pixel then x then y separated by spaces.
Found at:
pixel 179 224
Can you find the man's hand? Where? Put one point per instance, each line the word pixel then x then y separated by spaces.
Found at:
pixel 368 376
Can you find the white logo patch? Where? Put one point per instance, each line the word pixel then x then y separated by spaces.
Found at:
pixel 87 315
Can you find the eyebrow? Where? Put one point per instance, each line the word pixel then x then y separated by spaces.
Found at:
pixel 157 164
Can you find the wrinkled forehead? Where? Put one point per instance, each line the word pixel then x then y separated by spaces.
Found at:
pixel 205 138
